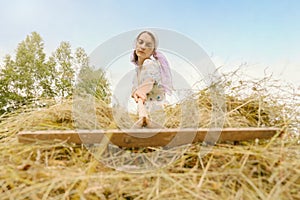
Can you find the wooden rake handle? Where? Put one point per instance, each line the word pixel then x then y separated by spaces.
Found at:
pixel 142 112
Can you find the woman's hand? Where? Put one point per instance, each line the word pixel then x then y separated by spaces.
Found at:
pixel 139 94
pixel 142 90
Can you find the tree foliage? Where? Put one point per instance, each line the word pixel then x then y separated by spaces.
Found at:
pixel 30 76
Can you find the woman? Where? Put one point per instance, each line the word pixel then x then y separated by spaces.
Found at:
pixel 153 77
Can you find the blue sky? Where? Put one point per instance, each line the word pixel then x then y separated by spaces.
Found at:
pixel 263 33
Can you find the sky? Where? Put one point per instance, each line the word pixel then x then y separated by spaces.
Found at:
pixel 264 34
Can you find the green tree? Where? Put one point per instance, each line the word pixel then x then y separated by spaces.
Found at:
pixel 30 78
pixel 75 66
pixel 64 70
pixel 20 78
pixel 9 97
pixel 93 82
pixel 27 78
pixel 30 67
pixel 89 80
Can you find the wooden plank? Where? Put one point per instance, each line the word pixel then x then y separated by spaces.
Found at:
pixel 148 137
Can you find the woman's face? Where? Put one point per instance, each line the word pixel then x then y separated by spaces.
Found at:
pixel 144 46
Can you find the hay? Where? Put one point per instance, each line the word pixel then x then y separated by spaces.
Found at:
pixel 252 170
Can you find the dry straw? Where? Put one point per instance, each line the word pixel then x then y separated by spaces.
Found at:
pixel 251 170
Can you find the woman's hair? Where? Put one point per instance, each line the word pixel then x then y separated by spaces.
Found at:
pixel 154 38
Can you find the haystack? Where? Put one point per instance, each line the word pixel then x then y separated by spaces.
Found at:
pixel 268 169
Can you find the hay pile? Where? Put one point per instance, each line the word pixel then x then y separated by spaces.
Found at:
pixel 252 170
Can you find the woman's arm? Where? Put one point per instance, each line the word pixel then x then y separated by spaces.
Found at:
pixel 149 73
pixel 143 89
